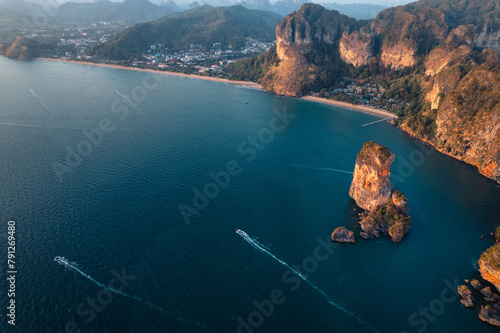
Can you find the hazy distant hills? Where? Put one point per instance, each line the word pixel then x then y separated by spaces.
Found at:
pixel 130 11
pixel 16 14
pixel 356 10
pixel 202 25
pixel 284 7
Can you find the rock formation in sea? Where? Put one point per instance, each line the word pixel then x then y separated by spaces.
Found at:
pixel 342 235
pixel 490 315
pixel 467 297
pixel 489 267
pixel 386 208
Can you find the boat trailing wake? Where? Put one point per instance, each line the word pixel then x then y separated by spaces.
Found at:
pixel 259 247
pixel 63 261
pixel 317 168
pixel 40 99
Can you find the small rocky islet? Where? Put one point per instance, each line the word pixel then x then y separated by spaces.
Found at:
pixel 488 296
pixel 385 208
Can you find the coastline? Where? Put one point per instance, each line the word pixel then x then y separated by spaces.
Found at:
pixel 252 85
pixel 247 84
pixel 353 107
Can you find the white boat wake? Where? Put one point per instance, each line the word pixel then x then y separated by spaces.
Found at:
pixel 258 246
pixel 63 261
pixel 40 99
pixel 181 318
pixel 316 168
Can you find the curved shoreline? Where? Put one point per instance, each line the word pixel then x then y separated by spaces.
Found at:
pixel 247 84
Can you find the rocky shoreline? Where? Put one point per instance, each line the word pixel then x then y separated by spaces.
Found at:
pixel 489 268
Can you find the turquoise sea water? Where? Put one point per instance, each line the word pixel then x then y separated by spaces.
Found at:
pixel 114 210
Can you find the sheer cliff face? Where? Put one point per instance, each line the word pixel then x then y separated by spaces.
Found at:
pixel 468 121
pixel 312 23
pixel 407 31
pixel 295 36
pixel 356 48
pixel 387 208
pixel 398 36
pixel 371 187
pixel 489 265
pixel 467 103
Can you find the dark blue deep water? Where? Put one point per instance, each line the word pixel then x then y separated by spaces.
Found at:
pixel 114 210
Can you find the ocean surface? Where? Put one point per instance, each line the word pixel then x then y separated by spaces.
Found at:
pixel 95 163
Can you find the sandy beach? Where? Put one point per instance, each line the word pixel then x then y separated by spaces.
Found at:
pixel 247 84
pixel 360 108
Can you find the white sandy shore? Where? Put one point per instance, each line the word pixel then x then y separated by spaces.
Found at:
pixel 361 108
pixel 252 85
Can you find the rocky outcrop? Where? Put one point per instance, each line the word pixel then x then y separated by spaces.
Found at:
pixel 489 295
pixel 387 208
pixel 490 315
pixel 311 23
pixel 391 218
pixel 476 284
pixel 295 36
pixel 489 37
pixel 356 48
pixel 489 265
pixel 408 31
pixel 371 187
pixel 23 48
pixel 290 77
pixel 398 56
pixel 440 57
pixel 467 298
pixel 342 235
pixel 468 121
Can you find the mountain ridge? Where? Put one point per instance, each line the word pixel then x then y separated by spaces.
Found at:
pixel 203 25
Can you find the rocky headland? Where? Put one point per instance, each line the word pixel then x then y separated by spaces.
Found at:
pixel 386 209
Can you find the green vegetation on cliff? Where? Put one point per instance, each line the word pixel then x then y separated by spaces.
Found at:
pixel 491 257
pixel 372 148
pixel 254 68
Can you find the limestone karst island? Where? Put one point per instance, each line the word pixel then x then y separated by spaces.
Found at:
pixel 386 209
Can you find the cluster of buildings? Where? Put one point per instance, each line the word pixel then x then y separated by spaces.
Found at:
pixel 369 94
pixel 199 58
